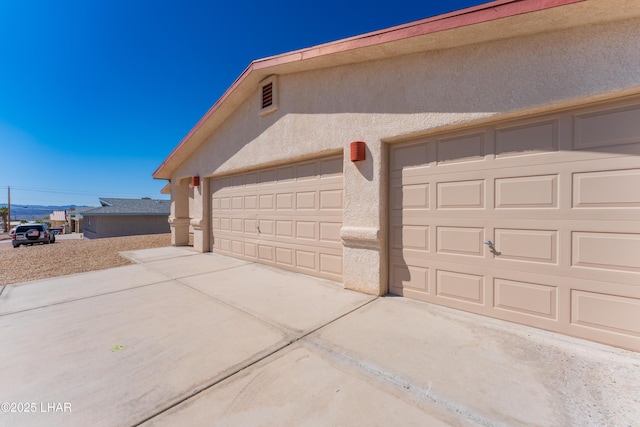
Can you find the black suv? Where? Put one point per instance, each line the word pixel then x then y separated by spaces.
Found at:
pixel 28 234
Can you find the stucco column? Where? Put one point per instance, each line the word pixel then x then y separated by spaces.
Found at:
pixel 179 217
pixel 200 218
pixel 363 227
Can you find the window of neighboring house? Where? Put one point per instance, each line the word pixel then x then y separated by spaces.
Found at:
pixel 268 92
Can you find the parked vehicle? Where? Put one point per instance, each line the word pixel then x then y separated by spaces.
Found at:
pixel 28 234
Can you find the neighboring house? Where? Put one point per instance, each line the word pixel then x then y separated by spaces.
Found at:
pixel 70 221
pixel 126 217
pixel 59 219
pixel 496 167
pixel 76 219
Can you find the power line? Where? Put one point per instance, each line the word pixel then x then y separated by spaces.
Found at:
pixel 69 192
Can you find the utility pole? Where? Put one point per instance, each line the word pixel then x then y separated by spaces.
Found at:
pixel 9 204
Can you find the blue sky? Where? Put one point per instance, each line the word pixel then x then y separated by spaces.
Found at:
pixel 95 94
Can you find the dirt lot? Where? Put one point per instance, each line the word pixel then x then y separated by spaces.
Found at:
pixel 64 257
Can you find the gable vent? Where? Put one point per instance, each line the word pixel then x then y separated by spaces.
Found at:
pixel 267 95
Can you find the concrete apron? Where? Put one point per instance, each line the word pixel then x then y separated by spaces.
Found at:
pixel 198 339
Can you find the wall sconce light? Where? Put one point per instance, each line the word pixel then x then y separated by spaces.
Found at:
pixel 358 151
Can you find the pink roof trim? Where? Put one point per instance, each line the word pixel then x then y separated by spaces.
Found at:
pixel 473 15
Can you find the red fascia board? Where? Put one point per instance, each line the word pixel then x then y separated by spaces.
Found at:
pixel 449 21
pixel 457 19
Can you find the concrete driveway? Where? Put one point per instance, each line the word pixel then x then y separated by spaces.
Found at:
pixel 199 339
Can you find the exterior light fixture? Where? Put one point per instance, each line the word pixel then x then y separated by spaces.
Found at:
pixel 358 151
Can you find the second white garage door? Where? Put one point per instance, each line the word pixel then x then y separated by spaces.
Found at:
pixel 289 216
pixel 535 221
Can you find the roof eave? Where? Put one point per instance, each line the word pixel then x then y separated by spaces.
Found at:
pixel 305 58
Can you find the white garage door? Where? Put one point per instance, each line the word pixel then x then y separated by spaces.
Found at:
pixel 557 196
pixel 289 217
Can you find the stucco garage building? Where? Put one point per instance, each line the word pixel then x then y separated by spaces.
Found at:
pixel 501 172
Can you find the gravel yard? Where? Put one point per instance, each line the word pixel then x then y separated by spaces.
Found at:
pixel 27 263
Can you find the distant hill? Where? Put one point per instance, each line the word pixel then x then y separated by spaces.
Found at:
pixel 33 212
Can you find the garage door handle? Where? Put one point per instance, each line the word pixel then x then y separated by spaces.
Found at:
pixel 492 247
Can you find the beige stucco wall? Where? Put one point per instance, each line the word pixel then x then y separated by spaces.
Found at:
pixel 322 111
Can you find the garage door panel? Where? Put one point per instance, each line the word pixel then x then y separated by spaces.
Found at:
pixel 307 230
pixel 236 225
pixel 558 197
pixel 266 227
pixel 529 192
pixel 225 245
pixel 237 203
pixel 284 256
pixel 266 252
pixel 266 202
pixel 601 128
pixel 461 195
pixel 607 189
pixel 331 200
pixel 465 241
pixel 307 171
pixel 284 229
pixel 267 177
pixel 607 251
pixel 415 237
pixel 331 169
pixel 250 203
pixel 533 299
pixel 237 247
pixel 331 264
pixel 460 286
pixel 618 314
pixel 306 200
pixel 251 250
pixel 527 245
pixel 330 232
pixel 409 277
pixel 225 203
pixel 250 226
pixel 465 148
pixel 288 217
pixel 284 201
pixel 410 196
pixel 412 155
pixel 527 139
pixel 307 260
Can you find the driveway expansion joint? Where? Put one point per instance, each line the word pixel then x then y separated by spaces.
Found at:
pixel 193 275
pixel 288 342
pixel 83 298
pixel 403 384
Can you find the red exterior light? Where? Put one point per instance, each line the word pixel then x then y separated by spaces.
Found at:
pixel 195 181
pixel 358 150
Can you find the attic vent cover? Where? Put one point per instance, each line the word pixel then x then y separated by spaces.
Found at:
pixel 268 92
pixel 267 95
